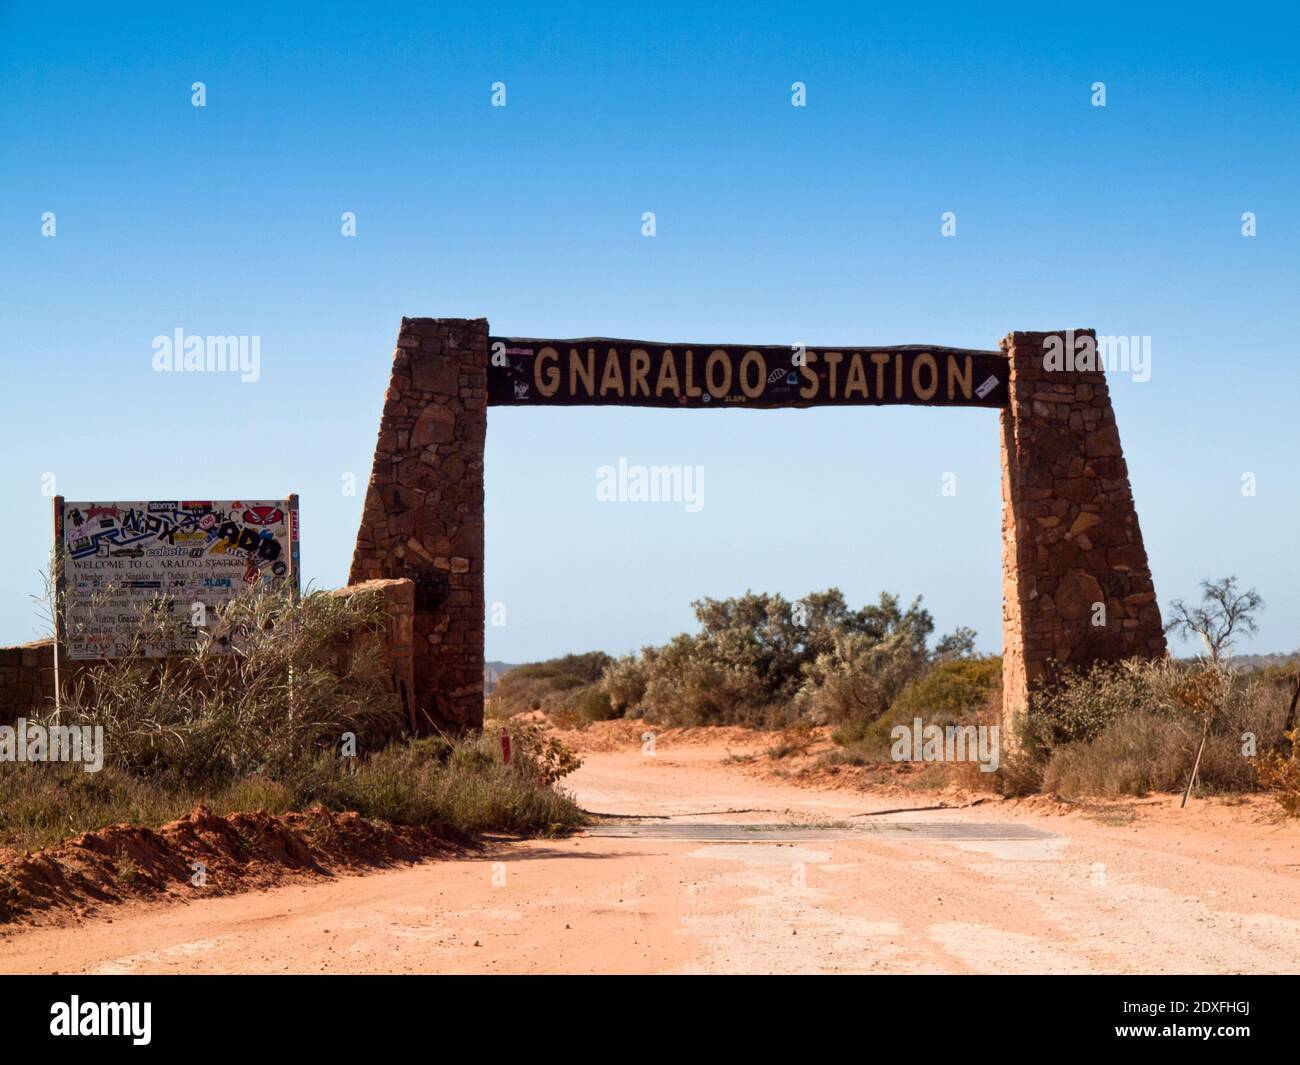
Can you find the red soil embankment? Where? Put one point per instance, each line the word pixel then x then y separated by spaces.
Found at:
pixel 237 853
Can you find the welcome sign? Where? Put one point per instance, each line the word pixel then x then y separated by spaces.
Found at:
pixel 599 370
pixel 120 559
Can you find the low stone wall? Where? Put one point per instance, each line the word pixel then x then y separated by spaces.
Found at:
pixel 397 641
pixel 26 678
pixel 27 672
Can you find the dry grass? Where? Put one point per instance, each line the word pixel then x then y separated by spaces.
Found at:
pixel 1134 728
pixel 1280 775
pixel 299 714
pixel 460 784
pixel 300 677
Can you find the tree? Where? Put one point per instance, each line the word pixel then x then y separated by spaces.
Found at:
pixel 960 643
pixel 754 653
pixel 1224 613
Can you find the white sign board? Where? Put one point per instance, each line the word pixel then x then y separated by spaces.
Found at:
pixel 119 559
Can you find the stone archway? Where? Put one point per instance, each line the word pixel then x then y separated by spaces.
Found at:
pixel 1077 587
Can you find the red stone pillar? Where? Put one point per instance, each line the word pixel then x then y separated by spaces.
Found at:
pixel 423 515
pixel 1076 584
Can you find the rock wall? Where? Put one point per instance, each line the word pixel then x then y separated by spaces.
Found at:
pixel 26 679
pixel 1077 587
pixel 396 643
pixel 423 516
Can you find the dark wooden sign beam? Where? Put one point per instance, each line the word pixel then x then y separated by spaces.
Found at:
pixel 603 371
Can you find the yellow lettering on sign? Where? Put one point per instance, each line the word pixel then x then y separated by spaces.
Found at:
pixel 881 360
pixel 753 386
pixel 954 375
pixel 925 360
pixel 612 379
pixel 626 373
pixel 692 389
pixel 639 372
pixel 718 389
pixel 857 376
pixel 587 372
pixel 552 372
pixel 809 391
pixel 668 375
pixel 833 361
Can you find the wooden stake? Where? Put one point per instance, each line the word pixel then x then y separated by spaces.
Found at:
pixel 1197 764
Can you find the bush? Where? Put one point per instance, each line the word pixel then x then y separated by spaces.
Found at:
pixel 855 683
pixel 261 728
pixel 543 756
pixel 1135 755
pixel 295 681
pixel 467 787
pixel 591 704
pixel 1134 727
pixel 689 683
pixel 762 661
pixel 624 681
pixel 1281 776
pixel 556 686
pixel 948 692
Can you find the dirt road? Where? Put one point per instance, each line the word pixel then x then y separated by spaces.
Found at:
pixel 1214 889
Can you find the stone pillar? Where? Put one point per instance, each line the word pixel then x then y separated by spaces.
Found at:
pixel 423 515
pixel 1076 585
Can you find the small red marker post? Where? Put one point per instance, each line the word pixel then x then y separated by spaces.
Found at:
pixel 505 747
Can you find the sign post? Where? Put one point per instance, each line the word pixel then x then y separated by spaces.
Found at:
pixel 56 603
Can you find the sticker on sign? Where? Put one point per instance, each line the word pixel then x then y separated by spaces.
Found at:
pixel 184 560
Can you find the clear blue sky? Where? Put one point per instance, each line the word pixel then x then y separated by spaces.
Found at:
pixel 774 224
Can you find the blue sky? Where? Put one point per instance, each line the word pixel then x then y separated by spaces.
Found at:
pixel 774 224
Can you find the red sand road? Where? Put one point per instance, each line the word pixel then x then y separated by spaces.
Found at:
pixel 1215 888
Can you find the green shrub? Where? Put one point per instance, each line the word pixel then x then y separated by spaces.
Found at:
pixel 948 692
pixel 762 661
pixel 472 791
pixel 624 681
pixel 570 671
pixel 554 686
pixel 688 683
pixel 591 704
